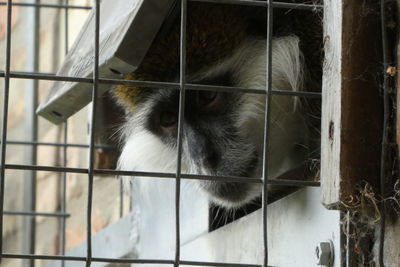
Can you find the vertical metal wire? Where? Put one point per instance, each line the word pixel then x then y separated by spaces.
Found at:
pixel 182 81
pixel 30 183
pixel 121 198
pixel 5 118
pixel 267 130
pixel 349 240
pixel 63 206
pixel 385 134
pixel 92 132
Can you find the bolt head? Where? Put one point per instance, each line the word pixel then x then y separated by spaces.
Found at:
pixel 324 254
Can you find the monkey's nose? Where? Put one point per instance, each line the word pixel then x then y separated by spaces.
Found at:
pixel 201 148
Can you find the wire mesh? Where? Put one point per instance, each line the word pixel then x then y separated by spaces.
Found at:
pixel 63 189
pixel 91 171
pixel 267 130
pixel 385 134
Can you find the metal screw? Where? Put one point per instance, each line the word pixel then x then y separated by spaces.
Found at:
pixel 324 253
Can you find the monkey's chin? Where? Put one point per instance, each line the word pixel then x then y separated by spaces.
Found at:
pixel 231 195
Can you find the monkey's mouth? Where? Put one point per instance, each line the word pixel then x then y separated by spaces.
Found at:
pixel 231 194
pixel 234 194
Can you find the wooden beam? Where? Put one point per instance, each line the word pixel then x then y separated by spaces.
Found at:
pixel 292 239
pixel 351 102
pixel 331 85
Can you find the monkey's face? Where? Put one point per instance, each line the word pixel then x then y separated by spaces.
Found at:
pixel 212 140
pixel 222 133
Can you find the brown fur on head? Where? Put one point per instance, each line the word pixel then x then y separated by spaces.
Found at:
pixel 213 32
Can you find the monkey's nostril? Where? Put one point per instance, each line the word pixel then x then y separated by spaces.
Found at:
pixel 201 149
pixel 212 158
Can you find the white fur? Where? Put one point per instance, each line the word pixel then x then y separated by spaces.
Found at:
pixel 287 124
pixel 154 156
pixel 145 152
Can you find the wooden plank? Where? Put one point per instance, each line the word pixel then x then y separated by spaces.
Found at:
pixel 331 100
pixel 115 241
pixel 292 239
pixel 351 103
pixel 121 52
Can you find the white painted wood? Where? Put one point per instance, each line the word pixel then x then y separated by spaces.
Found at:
pixel 148 232
pixel 115 241
pixel 124 24
pixel 296 224
pixel 331 103
pixel 154 201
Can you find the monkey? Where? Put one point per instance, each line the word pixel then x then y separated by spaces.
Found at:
pixel 223 131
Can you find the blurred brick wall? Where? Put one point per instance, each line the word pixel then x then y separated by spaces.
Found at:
pixel 106 189
pixel 3 14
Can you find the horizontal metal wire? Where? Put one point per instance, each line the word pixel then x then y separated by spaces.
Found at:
pixel 158 85
pixel 31 213
pixel 233 179
pixel 45 168
pixel 45 76
pixel 2 3
pixel 264 4
pixel 105 147
pixel 232 2
pixel 217 264
pixel 126 261
pixel 76 258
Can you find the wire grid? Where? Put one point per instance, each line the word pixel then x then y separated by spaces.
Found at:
pixel 269 5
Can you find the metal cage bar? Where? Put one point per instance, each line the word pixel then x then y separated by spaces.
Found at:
pixel 64 145
pixel 263 4
pixel 5 117
pixel 234 179
pixel 92 132
pixel 43 5
pixel 182 84
pixel 126 261
pixel 233 2
pixel 28 213
pixel 385 133
pixel 268 111
pixel 63 185
pixel 157 85
pixel 30 183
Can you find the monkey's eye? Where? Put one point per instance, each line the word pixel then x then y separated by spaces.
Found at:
pixel 210 102
pixel 168 119
pixel 205 98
